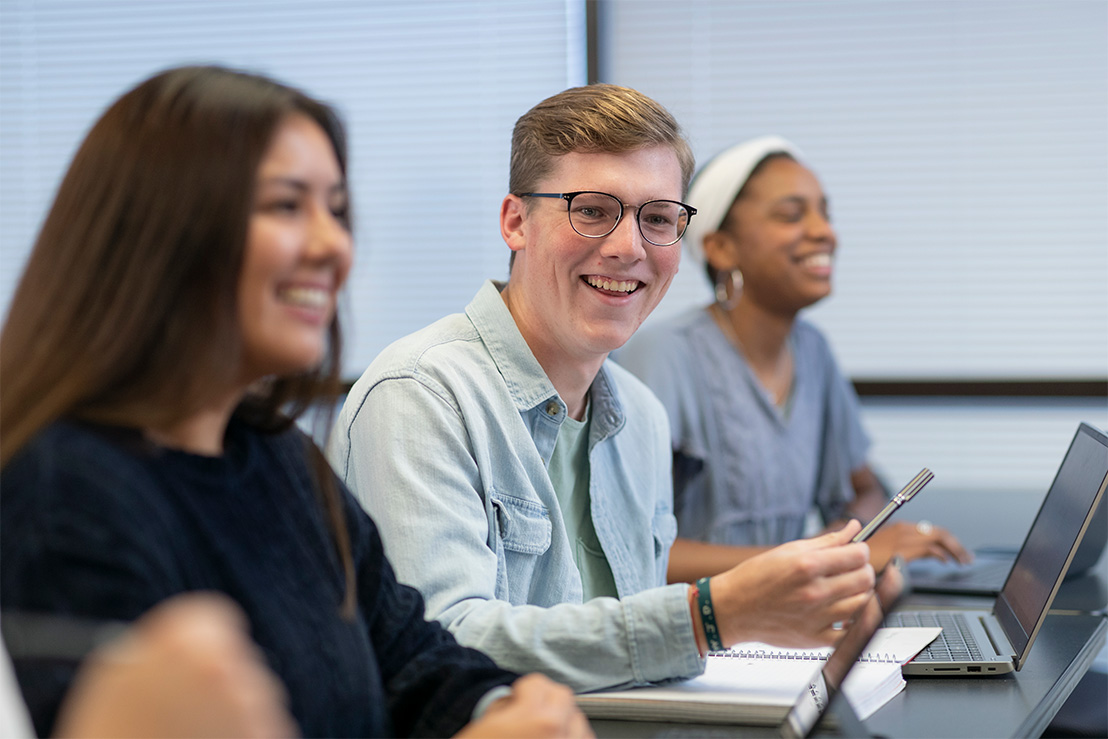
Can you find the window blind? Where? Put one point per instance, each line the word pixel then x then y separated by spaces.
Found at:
pixel 429 89
pixel 964 149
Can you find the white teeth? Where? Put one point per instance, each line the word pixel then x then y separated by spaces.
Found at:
pixel 620 286
pixel 308 297
pixel 818 260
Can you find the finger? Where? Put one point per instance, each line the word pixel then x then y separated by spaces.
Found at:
pixel 839 537
pixel 844 607
pixel 849 587
pixel 203 611
pixel 830 634
pixel 950 542
pixel 940 552
pixel 842 559
pixel 580 727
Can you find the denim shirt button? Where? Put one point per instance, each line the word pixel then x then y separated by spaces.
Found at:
pixel 552 408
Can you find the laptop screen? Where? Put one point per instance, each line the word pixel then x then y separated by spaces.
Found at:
pixel 813 703
pixel 1053 537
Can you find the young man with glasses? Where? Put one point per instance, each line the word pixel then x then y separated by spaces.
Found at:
pixel 520 480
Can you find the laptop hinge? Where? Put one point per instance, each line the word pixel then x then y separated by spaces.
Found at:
pixel 997 637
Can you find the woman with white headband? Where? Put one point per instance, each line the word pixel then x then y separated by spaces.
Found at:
pixel 766 431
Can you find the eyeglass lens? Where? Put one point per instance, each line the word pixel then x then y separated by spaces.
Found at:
pixel 595 214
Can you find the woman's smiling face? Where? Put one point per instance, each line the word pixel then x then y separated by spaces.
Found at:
pixel 298 253
pixel 782 238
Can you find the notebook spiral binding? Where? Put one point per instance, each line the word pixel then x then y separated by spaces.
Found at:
pixel 793 655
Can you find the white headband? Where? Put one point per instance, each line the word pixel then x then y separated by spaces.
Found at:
pixel 718 182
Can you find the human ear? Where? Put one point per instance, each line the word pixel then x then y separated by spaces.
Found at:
pixel 721 251
pixel 513 215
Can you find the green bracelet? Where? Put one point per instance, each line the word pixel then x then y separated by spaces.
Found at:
pixel 708 614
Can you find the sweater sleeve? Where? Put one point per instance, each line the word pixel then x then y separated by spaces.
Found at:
pixel 75 540
pixel 433 683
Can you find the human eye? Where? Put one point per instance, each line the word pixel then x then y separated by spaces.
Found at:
pixel 278 197
pixel 340 210
pixel 658 218
pixel 594 207
pixel 789 214
pixel 281 205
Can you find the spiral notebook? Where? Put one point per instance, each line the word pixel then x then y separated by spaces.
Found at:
pixel 754 683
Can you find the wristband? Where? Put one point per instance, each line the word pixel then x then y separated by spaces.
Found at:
pixel 708 614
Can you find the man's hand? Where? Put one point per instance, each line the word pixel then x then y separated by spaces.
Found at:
pixel 792 595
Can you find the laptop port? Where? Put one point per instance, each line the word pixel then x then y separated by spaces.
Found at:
pixel 973 668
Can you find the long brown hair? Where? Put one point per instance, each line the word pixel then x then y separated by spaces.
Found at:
pixel 126 310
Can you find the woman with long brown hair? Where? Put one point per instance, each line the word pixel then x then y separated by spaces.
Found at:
pixel 176 315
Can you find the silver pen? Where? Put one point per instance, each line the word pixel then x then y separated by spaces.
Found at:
pixel 906 493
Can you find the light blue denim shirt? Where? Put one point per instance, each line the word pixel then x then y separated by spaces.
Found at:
pixel 445 441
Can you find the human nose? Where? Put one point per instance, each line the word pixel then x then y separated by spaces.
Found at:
pixel 626 241
pixel 819 227
pixel 330 238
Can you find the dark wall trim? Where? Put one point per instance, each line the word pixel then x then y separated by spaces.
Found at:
pixel 984 388
pixel 967 388
pixel 592 41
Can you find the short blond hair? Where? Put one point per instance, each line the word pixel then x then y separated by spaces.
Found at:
pixel 595 118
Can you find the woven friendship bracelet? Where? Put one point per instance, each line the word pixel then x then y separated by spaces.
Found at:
pixel 708 614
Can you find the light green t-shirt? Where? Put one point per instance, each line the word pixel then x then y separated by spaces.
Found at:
pixel 569 472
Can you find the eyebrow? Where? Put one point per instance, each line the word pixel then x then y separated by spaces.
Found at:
pixel 299 184
pixel 800 200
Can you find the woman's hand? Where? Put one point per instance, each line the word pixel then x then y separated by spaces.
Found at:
pixel 186 668
pixel 537 708
pixel 915 541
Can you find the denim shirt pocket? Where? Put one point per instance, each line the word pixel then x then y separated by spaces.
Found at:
pixel 664 528
pixel 522 533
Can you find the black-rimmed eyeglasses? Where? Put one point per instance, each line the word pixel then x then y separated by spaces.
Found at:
pixel 596 214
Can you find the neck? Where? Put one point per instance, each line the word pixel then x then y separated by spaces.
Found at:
pixel 571 376
pixel 763 340
pixel 763 335
pixel 573 388
pixel 200 432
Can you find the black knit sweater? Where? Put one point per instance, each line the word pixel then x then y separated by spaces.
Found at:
pixel 97 522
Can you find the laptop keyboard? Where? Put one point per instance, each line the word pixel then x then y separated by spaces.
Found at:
pixel 991 573
pixel 954 644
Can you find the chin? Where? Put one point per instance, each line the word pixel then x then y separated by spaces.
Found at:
pixel 607 343
pixel 289 364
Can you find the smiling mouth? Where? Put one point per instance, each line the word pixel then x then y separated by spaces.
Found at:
pixel 625 287
pixel 306 297
pixel 820 260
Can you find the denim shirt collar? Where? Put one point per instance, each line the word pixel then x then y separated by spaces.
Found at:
pixel 527 382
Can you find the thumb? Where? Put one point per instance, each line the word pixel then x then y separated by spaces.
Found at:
pixel 840 537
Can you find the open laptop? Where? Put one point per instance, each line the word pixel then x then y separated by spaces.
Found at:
pixel 998 641
pixel 823 697
pixel 988 572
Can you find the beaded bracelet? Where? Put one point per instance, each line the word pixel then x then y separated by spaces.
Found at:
pixel 708 614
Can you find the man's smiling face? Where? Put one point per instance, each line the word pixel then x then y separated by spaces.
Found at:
pixel 574 298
